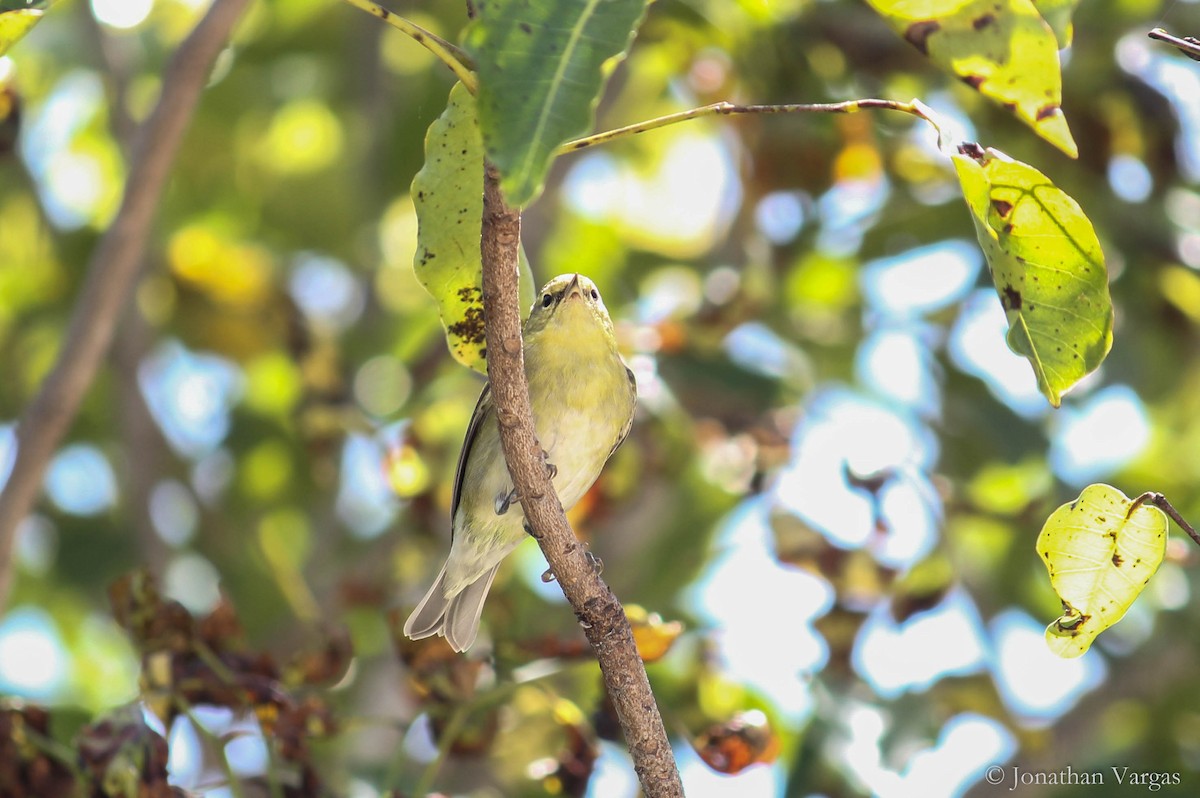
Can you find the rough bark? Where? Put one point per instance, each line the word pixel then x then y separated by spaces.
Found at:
pixel 600 614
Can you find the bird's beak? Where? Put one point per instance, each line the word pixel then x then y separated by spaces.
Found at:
pixel 574 289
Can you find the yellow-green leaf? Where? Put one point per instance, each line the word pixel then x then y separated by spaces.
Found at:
pixel 1001 48
pixel 15 24
pixel 1057 14
pixel 1047 265
pixel 448 195
pixel 542 65
pixel 1100 551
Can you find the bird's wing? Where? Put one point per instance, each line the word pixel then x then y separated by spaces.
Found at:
pixel 481 409
pixel 629 422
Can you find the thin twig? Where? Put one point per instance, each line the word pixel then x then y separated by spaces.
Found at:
pixel 729 109
pixel 1188 45
pixel 459 62
pixel 111 273
pixel 1160 501
pixel 599 613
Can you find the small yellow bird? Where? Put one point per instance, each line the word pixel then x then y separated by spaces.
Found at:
pixel 583 397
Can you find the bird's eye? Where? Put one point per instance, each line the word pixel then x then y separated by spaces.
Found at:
pixel 595 294
pixel 547 300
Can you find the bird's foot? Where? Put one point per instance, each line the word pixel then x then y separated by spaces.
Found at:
pixel 506 500
pixel 594 561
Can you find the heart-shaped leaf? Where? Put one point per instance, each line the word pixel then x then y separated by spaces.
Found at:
pixel 1101 551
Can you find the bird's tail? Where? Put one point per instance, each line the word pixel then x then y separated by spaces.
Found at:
pixel 456 618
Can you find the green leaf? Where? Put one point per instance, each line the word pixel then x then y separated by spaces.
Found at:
pixel 1057 14
pixel 1046 264
pixel 15 24
pixel 1001 48
pixel 1101 551
pixel 448 195
pixel 541 66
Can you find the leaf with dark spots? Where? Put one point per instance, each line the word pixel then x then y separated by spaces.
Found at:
pixel 1047 111
pixel 1028 228
pixel 918 33
pixel 1099 550
pixel 1001 48
pixel 447 191
pixel 1010 298
pixel 469 330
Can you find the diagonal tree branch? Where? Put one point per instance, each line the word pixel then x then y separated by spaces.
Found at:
pixel 601 615
pixel 111 272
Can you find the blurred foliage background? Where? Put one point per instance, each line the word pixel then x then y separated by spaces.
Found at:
pixel 837 473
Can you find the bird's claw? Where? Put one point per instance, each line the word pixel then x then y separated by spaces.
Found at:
pixel 594 561
pixel 506 500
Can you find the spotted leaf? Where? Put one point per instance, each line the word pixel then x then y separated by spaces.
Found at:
pixel 1003 49
pixel 1046 263
pixel 448 196
pixel 1101 551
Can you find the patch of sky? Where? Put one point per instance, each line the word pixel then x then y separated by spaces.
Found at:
pixel 897 364
pixel 190 395
pixel 761 611
pixel 194 582
pixel 967 745
pixel 34 663
pixel 847 210
pixel 843 430
pixel 1129 178
pixel 8 452
pixel 36 544
pixel 613 775
pixel 1098 436
pixel 683 206
pixel 1036 685
pixel 780 215
pixel 121 14
pixel 757 348
pixel 328 293
pixel 366 502
pixel 1175 77
pixel 922 280
pixel 895 658
pixel 80 480
pixel 68 182
pixel 173 512
pixel 978 347
pixel 701 781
